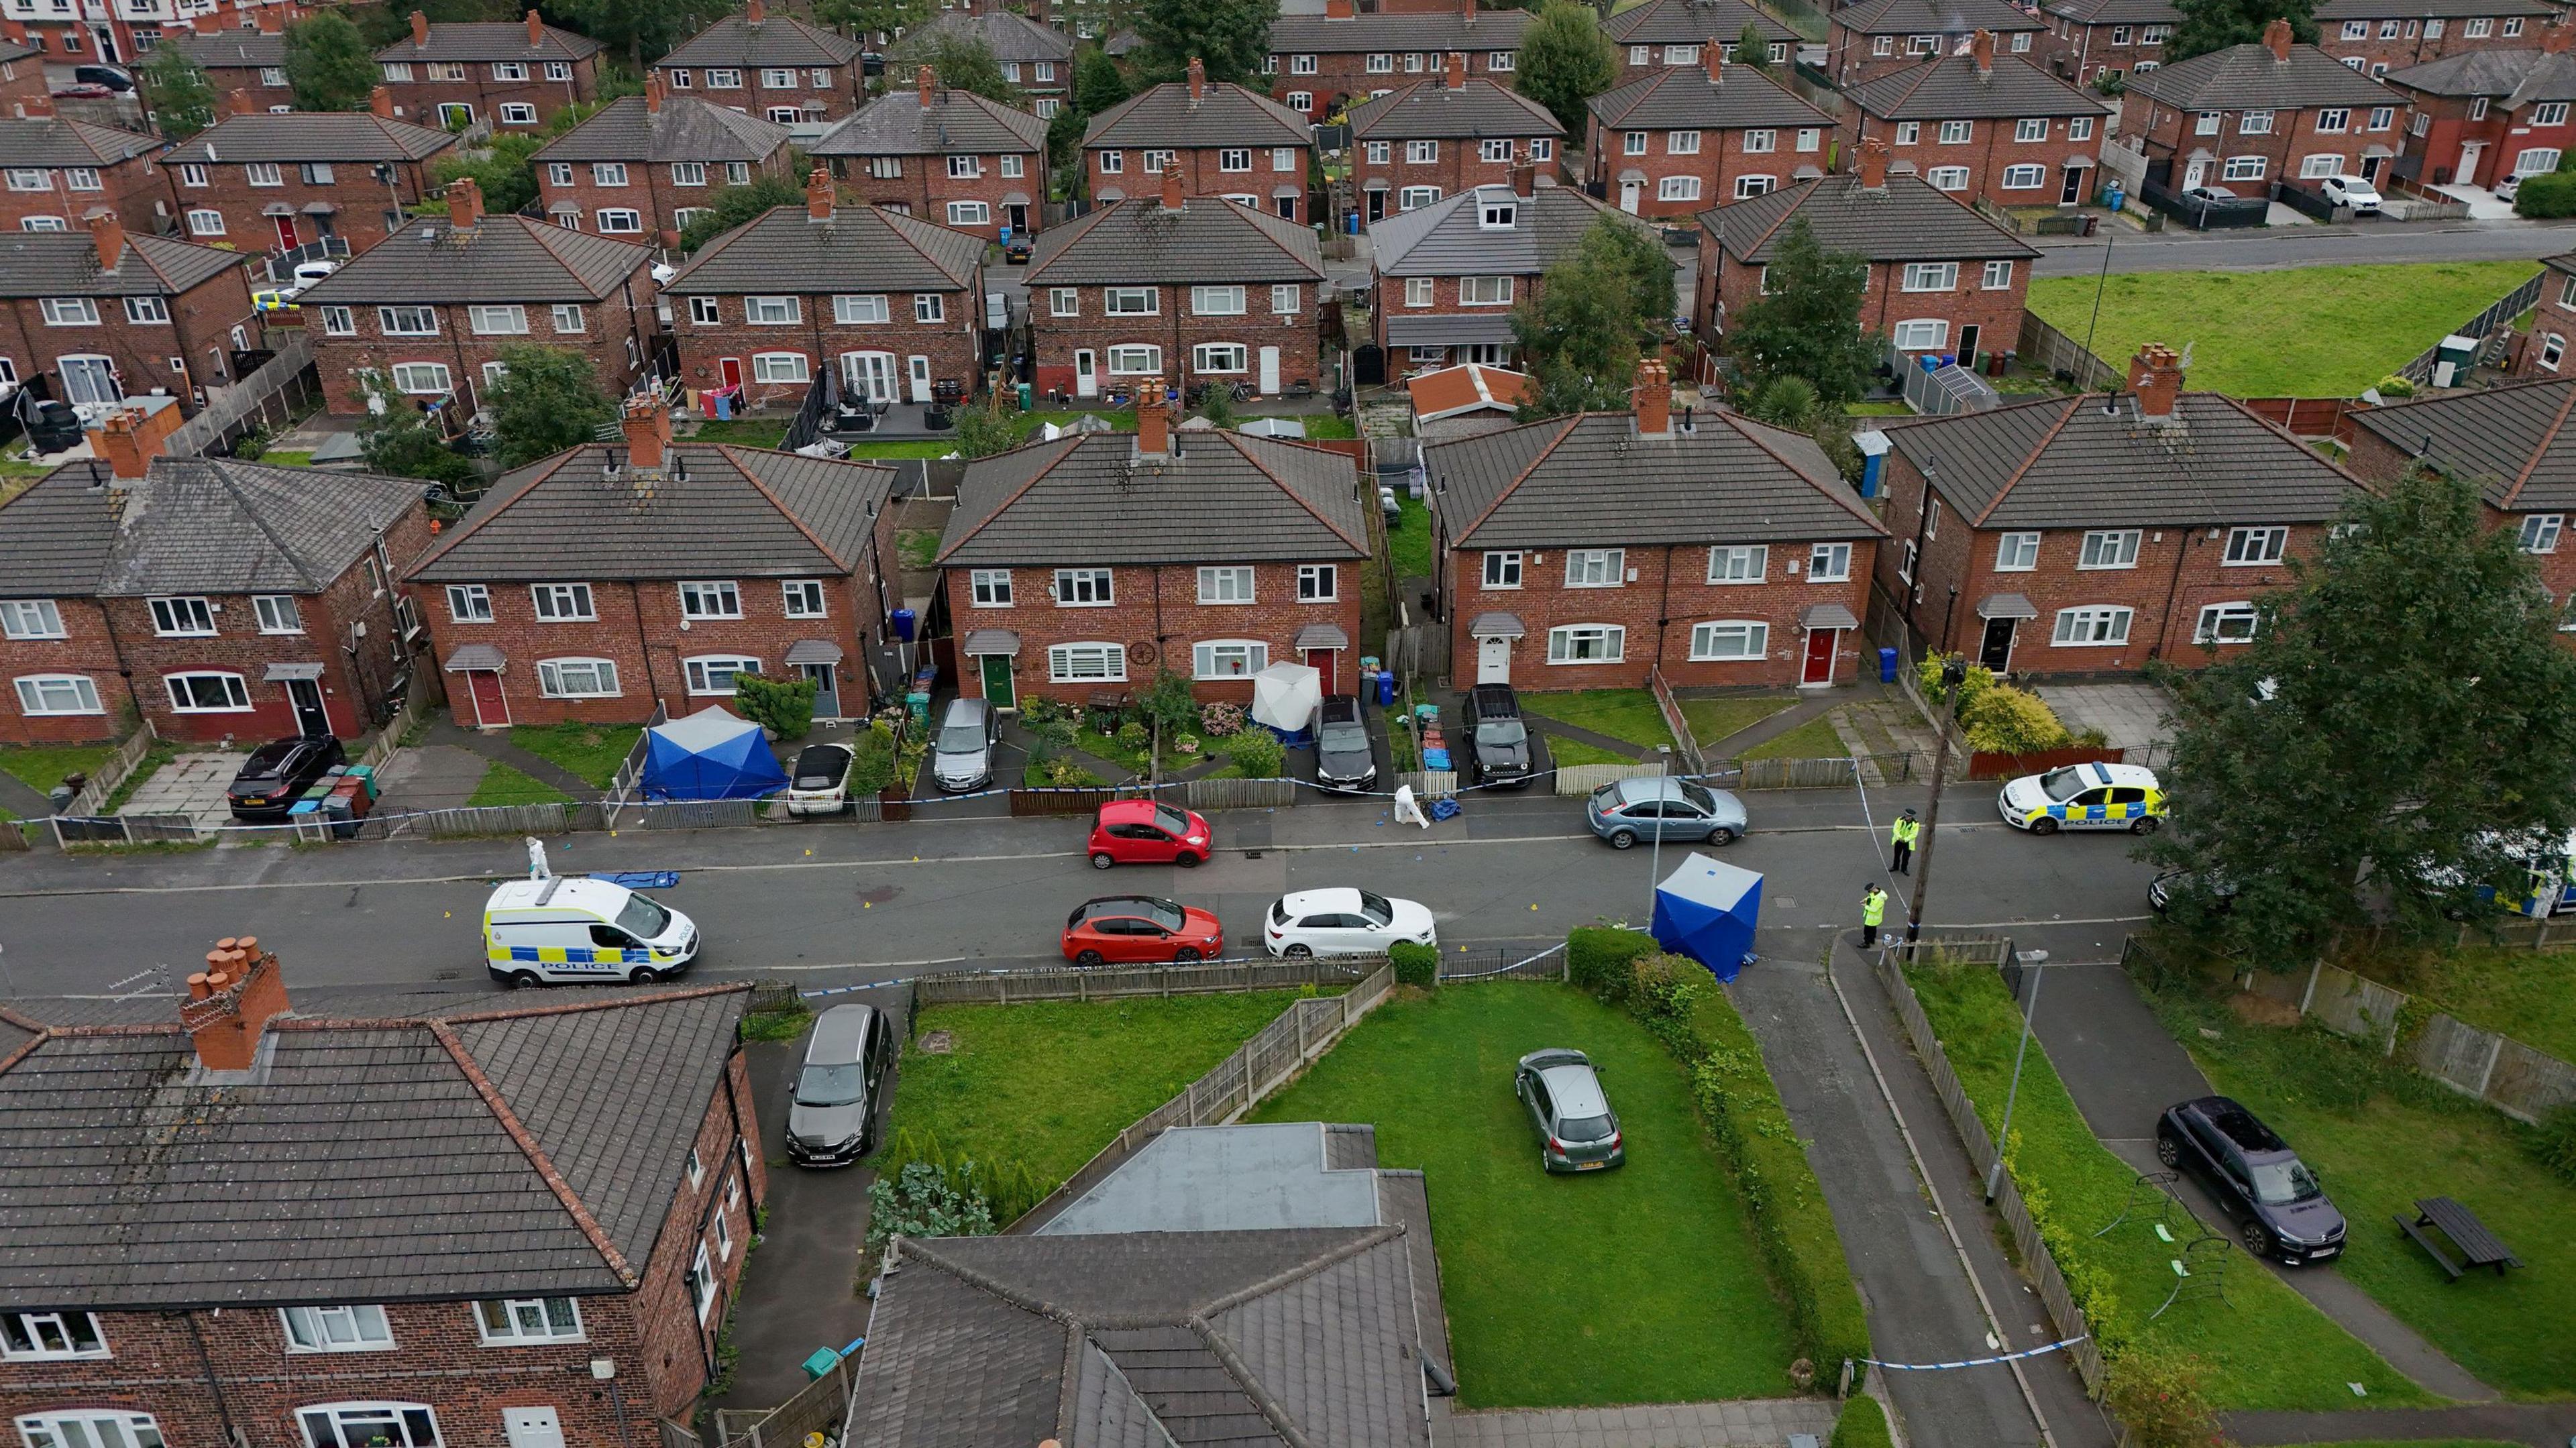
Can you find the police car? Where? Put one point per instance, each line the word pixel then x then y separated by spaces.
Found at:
pixel 2084 797
pixel 558 929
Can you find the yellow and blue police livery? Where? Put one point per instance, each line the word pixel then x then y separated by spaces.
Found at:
pixel 2084 797
pixel 560 929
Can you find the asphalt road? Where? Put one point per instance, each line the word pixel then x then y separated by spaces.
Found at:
pixel 2275 248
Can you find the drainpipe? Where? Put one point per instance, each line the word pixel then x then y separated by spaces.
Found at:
pixel 214 1385
pixel 2173 589
pixel 643 643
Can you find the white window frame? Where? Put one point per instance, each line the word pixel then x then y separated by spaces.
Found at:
pixel 2093 626
pixel 97 1427
pixel 1135 359
pixel 1596 567
pixel 1677 188
pixel 1738 563
pixel 1751 639
pixel 782 368
pixel 2025 176
pixel 236 692
pixel 702 671
pixel 340 1327
pixel 182 616
pixel 1493 291
pixel 2017 553
pixel 2108 548
pixel 1829 563
pixel 1920 334
pixel 1221 358
pixel 422 379
pixel 31 618
pixel 563 602
pixel 1085 588
pixel 1066 663
pixel 515 1314
pixel 1502 568
pixel 36 694
pixel 772 311
pixel 67 1328
pixel 1210 658
pixel 1217 301
pixel 1318 583
pixel 1227 584
pixel 970 213
pixel 1131 301
pixel 1566 640
pixel 497 319
pixel 1418 291
pixel 2257 546
pixel 1997 276
pixel 1931 276
pixel 1958 133
pixel 710 599
pixel 277 613
pixel 861 309
pixel 562 678
pixel 2226 623
pixel 803 598
pixel 989 588
pixel 1947 178
pixel 469 603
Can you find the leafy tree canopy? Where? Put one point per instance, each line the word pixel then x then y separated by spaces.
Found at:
pixel 398 440
pixel 868 17
pixel 502 171
pixel 1565 60
pixel 329 64
pixel 731 206
pixel 1807 324
pixel 183 99
pixel 2209 25
pixel 1230 38
pixel 1584 331
pixel 1097 82
pixel 1753 48
pixel 642 29
pixel 962 63
pixel 548 399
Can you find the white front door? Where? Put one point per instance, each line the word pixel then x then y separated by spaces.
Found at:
pixel 2194 174
pixel 532 1427
pixel 1086 374
pixel 1628 197
pixel 870 375
pixel 2471 153
pixel 1493 661
pixel 1269 371
pixel 920 379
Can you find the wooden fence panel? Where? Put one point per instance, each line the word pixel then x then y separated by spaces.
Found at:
pixel 2526 1083
pixel 13 837
pixel 1796 773
pixel 1040 802
pixel 1574 781
pixel 101 785
pixel 2356 1007
pixel 2459 1056
pixel 1429 783
pixel 508 819
pixel 1982 765
pixel 701 814
pixel 1240 793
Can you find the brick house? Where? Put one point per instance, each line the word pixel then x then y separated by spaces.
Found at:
pixel 22 75
pixel 1320 62
pixel 2378 36
pixel 2138 526
pixel 645 166
pixel 1674 140
pixel 1725 552
pixel 2514 441
pixel 55 170
pixel 1178 290
pixel 782 69
pixel 1444 279
pixel 127 33
pixel 489 72
pixel 1665 35
pixel 892 301
pixel 242 63
pixel 1092 562
pixel 2257 113
pixel 2553 322
pixel 1229 141
pixel 2489 114
pixel 104 313
pixel 264 182
pixel 1941 277
pixel 1983 127
pixel 950 157
pixel 213 597
pixel 2088 39
pixel 1869 38
pixel 1434 139
pixel 594 584
pixel 579 1186
pixel 1036 59
pixel 432 307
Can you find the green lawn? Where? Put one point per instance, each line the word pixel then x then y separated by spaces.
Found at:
pixel 42 766
pixel 1028 423
pixel 1408 543
pixel 1814 739
pixel 1640 1285
pixel 2265 1347
pixel 744 431
pixel 1628 714
pixel 504 785
pixel 593 751
pixel 1712 720
pixel 1570 752
pixel 2256 334
pixel 289 458
pixel 1048 1084
pixel 1878 409
pixel 918 547
pixel 2523 994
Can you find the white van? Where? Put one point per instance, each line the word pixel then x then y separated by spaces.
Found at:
pixel 561 929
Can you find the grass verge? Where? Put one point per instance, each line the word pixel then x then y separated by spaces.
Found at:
pixel 1408 543
pixel 1628 714
pixel 42 766
pixel 503 785
pixel 784 1025
pixel 592 751
pixel 2524 994
pixel 1814 739
pixel 1570 752
pixel 1711 721
pixel 917 547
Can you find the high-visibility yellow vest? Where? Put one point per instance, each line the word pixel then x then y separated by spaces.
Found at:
pixel 1873 907
pixel 1905 831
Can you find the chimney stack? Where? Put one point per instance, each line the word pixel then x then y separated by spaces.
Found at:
pixel 1172 185
pixel 1525 179
pixel 2554 39
pixel 2155 375
pixel 1713 54
pixel 1467 10
pixel 118 439
pixel 464 204
pixel 242 103
pixel 1339 10
pixel 2276 39
pixel 231 1002
pixel 110 237
pixel 380 103
pixel 1453 75
pixel 1153 422
pixel 1873 164
pixel 1198 80
pixel 819 197
pixel 755 12
pixel 419 28
pixel 1653 395
pixel 648 434
pixel 927 83
pixel 536 30
pixel 652 92
pixel 37 108
pixel 1982 46
pixel 269 21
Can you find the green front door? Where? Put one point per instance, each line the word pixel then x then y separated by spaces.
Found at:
pixel 997 680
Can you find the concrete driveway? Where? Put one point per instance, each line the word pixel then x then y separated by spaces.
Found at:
pixel 2133 716
pixel 193 785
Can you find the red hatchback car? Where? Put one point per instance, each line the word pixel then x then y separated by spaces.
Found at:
pixel 1142 832
pixel 1127 929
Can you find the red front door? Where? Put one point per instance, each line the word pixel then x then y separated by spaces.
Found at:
pixel 286 233
pixel 1820 656
pixel 491 706
pixel 732 371
pixel 1321 661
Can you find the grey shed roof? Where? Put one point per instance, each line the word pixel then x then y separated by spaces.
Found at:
pixel 65 263
pixel 1950 87
pixel 1590 479
pixel 1011 35
pixel 1428 110
pixel 1440 30
pixel 58 141
pixel 2248 75
pixel 1209 239
pixel 1690 22
pixel 1908 219
pixel 685 129
pixel 508 259
pixel 1244 1177
pixel 231 46
pixel 713 512
pixel 489 40
pixel 2065 463
pixel 2518 77
pixel 309 136
pixel 861 249
pixel 2514 441
pixel 1449 237
pixel 2116 12
pixel 1934 17
pixel 1148 1340
pixel 193 525
pixel 133 1179
pixel 1224 115
pixel 1684 97
pixel 1090 499
pixel 898 124
pixel 775 40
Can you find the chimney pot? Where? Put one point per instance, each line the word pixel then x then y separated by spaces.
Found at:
pixel 926 83
pixel 198 989
pixel 1653 395
pixel 419 28
pixel 652 92
pixel 380 103
pixel 1983 48
pixel 2155 375
pixel 1873 164
pixel 648 433
pixel 819 196
pixel 109 235
pixel 2276 38
pixel 1153 422
pixel 536 30
pixel 1172 185
pixel 1198 80
pixel 229 1006
pixel 464 204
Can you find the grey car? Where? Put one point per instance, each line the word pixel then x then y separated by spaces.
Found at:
pixel 961 753
pixel 1628 811
pixel 1344 758
pixel 1577 1130
pixel 832 1120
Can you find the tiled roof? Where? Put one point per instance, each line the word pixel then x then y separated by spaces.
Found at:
pixel 2065 463
pixel 2333 11
pixel 1209 239
pixel 1684 97
pixel 232 46
pixel 861 249
pixel 133 1179
pixel 60 141
pixel 1950 88
pixel 1449 237
pixel 1222 495
pixel 1689 22
pixel 65 263
pixel 1551 484
pixel 2116 12
pixel 508 259
pixel 1011 36
pixel 712 512
pixel 1470 387
pixel 749 44
pixel 1908 219
pixel 1443 30
pixel 1934 17
pixel 490 40
pixel 2248 75
pixel 685 129
pixel 13 51
pixel 193 525
pixel 2520 77
pixel 356 136
pixel 2514 441
pixel 897 124
pixel 1224 115
pixel 1428 110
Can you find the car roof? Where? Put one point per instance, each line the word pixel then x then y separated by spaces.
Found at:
pixel 2115 774
pixel 1101 906
pixel 810 750
pixel 1133 811
pixel 600 897
pixel 1307 902
pixel 838 1033
pixel 1575 1090
pixel 965 706
pixel 2239 1125
pixel 1650 786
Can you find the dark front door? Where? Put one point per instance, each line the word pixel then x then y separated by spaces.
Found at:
pixel 2073 190
pixel 2370 166
pixel 491 706
pixel 1377 206
pixel 1321 661
pixel 1968 345
pixel 827 690
pixel 311 719
pixel 997 681
pixel 1996 651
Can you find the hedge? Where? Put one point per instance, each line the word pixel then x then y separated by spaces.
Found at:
pixel 1863 1424
pixel 2551 193
pixel 1415 964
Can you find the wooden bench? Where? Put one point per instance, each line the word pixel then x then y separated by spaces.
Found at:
pixel 2477 1246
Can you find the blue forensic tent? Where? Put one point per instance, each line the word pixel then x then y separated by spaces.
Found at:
pixel 710 755
pixel 1707 910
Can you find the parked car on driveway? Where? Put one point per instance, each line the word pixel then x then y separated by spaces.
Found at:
pixel 1134 929
pixel 2274 1199
pixel 106 75
pixel 1344 922
pixel 1626 811
pixel 1344 757
pixel 832 1118
pixel 2508 188
pixel 2353 191
pixel 276 775
pixel 1145 832
pixel 820 782
pixel 961 753
pixel 84 91
pixel 1577 1130
pixel 1498 742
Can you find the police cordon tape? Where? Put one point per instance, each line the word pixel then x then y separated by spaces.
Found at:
pixel 1983 1362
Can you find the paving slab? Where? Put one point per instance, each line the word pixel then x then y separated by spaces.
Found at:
pixel 192 784
pixel 2132 716
pixel 1750 1423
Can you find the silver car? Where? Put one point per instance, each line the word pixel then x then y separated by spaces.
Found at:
pixel 961 753
pixel 1577 1130
pixel 1627 811
pixel 832 1120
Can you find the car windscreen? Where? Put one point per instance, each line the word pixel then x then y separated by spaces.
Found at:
pixel 1339 738
pixel 1584 1128
pixel 2062 785
pixel 1279 911
pixel 1700 797
pixel 1171 821
pixel 2283 1180
pixel 961 739
pixel 1376 908
pixel 831 1085
pixel 1502 733
pixel 268 759
pixel 820 768
pixel 642 918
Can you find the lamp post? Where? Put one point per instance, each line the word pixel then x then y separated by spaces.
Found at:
pixel 1663 771
pixel 1954 672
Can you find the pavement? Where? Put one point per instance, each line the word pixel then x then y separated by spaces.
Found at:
pixel 2135 716
pixel 2273 248
pixel 192 784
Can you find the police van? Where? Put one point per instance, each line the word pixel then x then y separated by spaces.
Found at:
pixel 557 929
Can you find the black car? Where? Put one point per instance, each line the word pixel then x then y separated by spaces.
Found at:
pixel 1498 743
pixel 106 75
pixel 2259 1182
pixel 2214 893
pixel 1016 251
pixel 1344 758
pixel 277 774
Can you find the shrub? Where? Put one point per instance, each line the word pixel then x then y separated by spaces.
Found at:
pixel 2547 195
pixel 2003 720
pixel 1598 959
pixel 1185 743
pixel 1928 675
pixel 785 707
pixel 2158 1397
pixel 1258 753
pixel 921 1202
pixel 1132 735
pixel 2396 385
pixel 1863 1424
pixel 1664 989
pixel 1217 721
pixel 1415 964
pixel 2554 1142
pixel 1007 1187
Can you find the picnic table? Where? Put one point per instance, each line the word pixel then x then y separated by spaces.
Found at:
pixel 2477 1246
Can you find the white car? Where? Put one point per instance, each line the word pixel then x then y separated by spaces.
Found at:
pixel 2085 797
pixel 1344 922
pixel 820 783
pixel 2355 192
pixel 2508 188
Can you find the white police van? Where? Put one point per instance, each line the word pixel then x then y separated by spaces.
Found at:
pixel 557 929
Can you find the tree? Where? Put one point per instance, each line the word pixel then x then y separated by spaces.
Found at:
pixel 1753 48
pixel 184 100
pixel 399 441
pixel 329 64
pixel 962 63
pixel 548 399
pixel 1565 61
pixel 1584 330
pixel 2403 712
pixel 502 171
pixel 2209 25
pixel 1097 83
pixel 1788 402
pixel 382 25
pixel 1230 38
pixel 1807 323
pixel 731 206
pixel 872 17
pixel 982 432
pixel 1064 142
pixel 643 29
